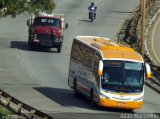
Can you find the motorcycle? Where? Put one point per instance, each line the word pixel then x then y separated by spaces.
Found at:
pixel 92 13
pixel 91 16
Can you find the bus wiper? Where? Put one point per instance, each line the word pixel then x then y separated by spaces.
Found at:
pixel 131 88
pixel 122 89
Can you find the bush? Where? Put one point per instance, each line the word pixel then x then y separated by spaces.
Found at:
pixel 4 112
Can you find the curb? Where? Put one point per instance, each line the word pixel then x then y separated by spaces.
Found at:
pixel 148 45
pixel 154 82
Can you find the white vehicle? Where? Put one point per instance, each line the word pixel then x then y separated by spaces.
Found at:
pixel 108 73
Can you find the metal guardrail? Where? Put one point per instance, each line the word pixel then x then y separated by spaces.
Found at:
pixel 21 108
pixel 154 68
pixel 156 71
pixel 154 81
pixel 128 36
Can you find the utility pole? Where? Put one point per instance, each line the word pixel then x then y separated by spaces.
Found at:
pixel 143 5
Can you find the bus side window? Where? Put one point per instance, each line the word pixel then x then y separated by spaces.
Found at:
pixel 96 64
pixel 74 49
pixel 88 56
pixel 96 67
pixel 76 53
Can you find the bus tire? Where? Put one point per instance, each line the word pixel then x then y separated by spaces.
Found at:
pixel 130 110
pixel 92 102
pixel 75 88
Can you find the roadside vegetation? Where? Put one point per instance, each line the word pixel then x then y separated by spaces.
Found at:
pixel 4 113
pixel 16 7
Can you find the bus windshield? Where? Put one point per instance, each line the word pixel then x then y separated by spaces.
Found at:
pixel 40 21
pixel 122 76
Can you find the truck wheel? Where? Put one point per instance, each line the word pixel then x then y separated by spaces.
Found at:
pixel 29 41
pixel 59 49
pixel 31 47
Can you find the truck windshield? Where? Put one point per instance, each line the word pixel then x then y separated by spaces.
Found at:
pixel 122 76
pixel 53 22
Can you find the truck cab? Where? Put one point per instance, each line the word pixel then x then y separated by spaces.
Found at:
pixel 45 30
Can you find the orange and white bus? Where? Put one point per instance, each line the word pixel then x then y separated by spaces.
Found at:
pixel 108 73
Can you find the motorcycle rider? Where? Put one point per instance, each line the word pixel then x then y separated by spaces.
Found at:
pixel 92 8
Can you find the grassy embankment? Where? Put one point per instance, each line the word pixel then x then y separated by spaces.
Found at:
pixel 4 113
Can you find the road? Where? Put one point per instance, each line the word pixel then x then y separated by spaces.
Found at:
pixel 155 40
pixel 39 78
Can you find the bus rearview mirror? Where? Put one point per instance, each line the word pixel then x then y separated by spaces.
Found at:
pixel 100 69
pixel 29 22
pixel 148 70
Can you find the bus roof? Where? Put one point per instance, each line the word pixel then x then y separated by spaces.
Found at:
pixel 109 49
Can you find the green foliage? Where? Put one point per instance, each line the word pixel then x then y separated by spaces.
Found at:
pixel 4 112
pixel 16 7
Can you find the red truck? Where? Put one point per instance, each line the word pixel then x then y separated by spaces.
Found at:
pixel 46 30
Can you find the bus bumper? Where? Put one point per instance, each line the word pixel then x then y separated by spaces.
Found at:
pixel 120 104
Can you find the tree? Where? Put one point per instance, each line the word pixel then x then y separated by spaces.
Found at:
pixel 16 7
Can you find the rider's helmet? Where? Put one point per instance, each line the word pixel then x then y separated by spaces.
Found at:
pixel 92 3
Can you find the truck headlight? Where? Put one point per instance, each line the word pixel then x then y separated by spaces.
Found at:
pixel 57 38
pixel 139 98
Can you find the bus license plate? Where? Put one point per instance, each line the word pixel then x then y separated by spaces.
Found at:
pixel 121 103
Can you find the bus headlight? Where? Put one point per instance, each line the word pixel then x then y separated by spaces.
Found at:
pixel 104 96
pixel 139 98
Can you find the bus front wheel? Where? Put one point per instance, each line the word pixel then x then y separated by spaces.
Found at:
pixel 75 89
pixel 92 102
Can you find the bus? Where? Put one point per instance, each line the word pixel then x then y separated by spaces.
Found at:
pixel 108 73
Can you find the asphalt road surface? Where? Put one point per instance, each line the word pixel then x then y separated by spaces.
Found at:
pixel 39 78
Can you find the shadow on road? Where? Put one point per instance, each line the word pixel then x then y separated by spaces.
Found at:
pixel 121 12
pixel 65 98
pixel 85 20
pixel 23 45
